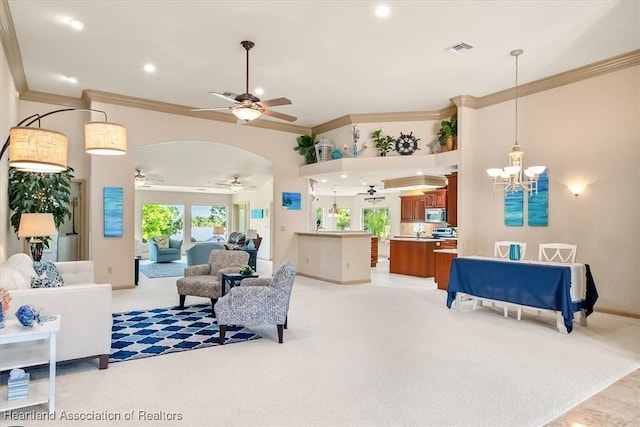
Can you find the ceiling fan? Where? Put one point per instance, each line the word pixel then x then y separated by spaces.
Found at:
pixel 142 180
pixel 247 106
pixel 235 185
pixel 371 191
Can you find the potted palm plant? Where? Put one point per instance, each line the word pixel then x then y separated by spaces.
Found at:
pixel 448 133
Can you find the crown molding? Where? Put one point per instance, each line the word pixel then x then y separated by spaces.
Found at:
pixel 47 98
pixel 407 116
pixel 11 48
pixel 626 60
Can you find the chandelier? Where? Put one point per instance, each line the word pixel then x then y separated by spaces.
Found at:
pixel 333 210
pixel 512 175
pixel 374 200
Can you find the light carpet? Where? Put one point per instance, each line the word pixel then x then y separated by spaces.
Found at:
pixel 386 354
pixel 163 269
pixel 145 333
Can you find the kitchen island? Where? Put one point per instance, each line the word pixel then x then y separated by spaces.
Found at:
pixel 414 256
pixel 337 257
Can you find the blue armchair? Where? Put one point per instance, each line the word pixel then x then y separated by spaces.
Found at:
pixel 172 253
pixel 199 253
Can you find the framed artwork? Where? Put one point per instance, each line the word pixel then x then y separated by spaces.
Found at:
pixel 291 201
pixel 513 208
pixel 113 211
pixel 538 203
pixel 257 213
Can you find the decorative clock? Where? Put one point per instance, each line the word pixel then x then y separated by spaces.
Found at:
pixel 407 144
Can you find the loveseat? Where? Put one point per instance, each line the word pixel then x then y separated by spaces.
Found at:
pixel 171 253
pixel 84 307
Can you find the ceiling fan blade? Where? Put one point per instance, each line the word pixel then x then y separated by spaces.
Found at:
pixel 279 115
pixel 211 109
pixel 228 96
pixel 274 102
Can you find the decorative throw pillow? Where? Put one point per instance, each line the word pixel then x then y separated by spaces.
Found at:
pixel 163 242
pixel 48 275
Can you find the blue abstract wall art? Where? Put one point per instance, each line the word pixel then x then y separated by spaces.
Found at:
pixel 113 211
pixel 513 208
pixel 291 201
pixel 538 203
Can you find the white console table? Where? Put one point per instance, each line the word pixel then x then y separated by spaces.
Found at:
pixel 40 391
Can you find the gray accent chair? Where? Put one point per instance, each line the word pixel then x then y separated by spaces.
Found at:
pixel 258 301
pixel 200 252
pixel 205 280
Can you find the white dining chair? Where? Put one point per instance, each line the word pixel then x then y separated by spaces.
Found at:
pixel 557 252
pixel 501 249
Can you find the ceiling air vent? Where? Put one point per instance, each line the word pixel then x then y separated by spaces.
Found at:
pixel 459 48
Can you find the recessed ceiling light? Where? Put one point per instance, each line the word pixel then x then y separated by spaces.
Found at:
pixel 70 79
pixel 149 68
pixel 74 23
pixel 323 180
pixel 343 176
pixel 459 48
pixel 259 91
pixel 382 11
pixel 419 173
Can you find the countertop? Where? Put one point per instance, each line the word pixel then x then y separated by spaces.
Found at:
pixel 421 239
pixel 446 251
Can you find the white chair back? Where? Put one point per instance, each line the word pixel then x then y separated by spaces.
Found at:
pixel 557 252
pixel 501 249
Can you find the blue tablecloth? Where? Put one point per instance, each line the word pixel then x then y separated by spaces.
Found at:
pixel 534 285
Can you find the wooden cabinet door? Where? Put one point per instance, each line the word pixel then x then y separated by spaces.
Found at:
pixel 452 199
pixel 430 200
pixel 441 198
pixel 406 209
pixel 418 209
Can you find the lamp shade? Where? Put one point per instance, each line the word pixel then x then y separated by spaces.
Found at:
pixel 105 138
pixel 252 234
pixel 217 230
pixel 36 225
pixel 37 150
pixel 246 113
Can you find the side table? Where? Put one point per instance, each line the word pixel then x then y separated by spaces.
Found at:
pixel 234 279
pixel 40 391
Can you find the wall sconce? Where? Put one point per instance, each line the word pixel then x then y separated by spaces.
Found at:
pixel 35 149
pixel 576 189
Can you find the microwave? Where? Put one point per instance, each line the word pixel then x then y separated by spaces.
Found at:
pixel 435 215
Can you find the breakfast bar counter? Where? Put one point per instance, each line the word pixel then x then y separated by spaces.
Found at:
pixel 337 257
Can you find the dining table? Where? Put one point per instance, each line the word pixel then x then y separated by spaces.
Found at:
pixel 560 287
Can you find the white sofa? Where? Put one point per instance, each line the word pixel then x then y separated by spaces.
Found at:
pixel 84 307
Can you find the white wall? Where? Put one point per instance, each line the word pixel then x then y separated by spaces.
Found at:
pixel 584 132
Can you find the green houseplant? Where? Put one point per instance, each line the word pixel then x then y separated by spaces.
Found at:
pixel 383 143
pixel 34 192
pixel 376 221
pixel 307 147
pixel 448 133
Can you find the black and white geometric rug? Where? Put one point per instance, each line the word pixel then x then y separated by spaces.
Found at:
pixel 146 333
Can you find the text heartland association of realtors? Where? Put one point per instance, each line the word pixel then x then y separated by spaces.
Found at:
pixel 133 415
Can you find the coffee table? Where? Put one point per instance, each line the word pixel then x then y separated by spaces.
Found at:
pixel 234 279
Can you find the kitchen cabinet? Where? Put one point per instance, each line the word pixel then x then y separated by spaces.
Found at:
pixel 435 199
pixel 412 208
pixel 443 260
pixel 452 199
pixel 374 251
pixel 412 257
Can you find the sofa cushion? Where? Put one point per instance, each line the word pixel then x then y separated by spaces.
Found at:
pixel 12 279
pixel 162 242
pixel 48 275
pixel 23 264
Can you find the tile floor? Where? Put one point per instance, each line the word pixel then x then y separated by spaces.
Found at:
pixel 617 405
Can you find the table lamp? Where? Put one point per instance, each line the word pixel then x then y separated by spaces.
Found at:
pixel 34 226
pixel 218 231
pixel 251 234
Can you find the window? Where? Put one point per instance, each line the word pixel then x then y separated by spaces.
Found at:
pixel 343 221
pixel 162 220
pixel 319 226
pixel 205 219
pixel 377 222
